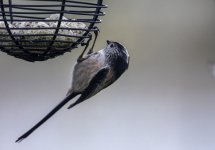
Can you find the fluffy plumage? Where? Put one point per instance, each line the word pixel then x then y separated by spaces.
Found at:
pixel 91 74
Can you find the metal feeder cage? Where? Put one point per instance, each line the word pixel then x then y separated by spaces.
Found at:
pixel 37 30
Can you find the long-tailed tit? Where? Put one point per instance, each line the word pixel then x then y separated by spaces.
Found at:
pixel 91 74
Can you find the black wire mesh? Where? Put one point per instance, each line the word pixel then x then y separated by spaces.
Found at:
pixel 25 32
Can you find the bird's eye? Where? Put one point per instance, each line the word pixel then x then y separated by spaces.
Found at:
pixel 111 45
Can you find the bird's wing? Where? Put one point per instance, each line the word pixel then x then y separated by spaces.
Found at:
pixel 84 72
pixel 95 85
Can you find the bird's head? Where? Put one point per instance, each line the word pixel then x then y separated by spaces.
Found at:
pixel 116 49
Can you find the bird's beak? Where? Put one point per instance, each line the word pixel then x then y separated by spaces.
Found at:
pixel 108 42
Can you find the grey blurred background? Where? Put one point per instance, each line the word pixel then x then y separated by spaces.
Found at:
pixel 165 101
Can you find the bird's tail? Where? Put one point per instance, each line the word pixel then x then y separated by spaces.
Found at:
pixel 49 115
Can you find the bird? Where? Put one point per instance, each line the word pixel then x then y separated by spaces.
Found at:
pixel 91 74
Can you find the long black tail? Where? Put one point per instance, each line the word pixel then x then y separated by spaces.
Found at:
pixel 49 115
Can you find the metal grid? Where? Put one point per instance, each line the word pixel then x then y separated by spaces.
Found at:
pixel 17 45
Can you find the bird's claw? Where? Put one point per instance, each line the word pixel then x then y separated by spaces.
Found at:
pixel 96 31
pixel 80 59
pixel 90 51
